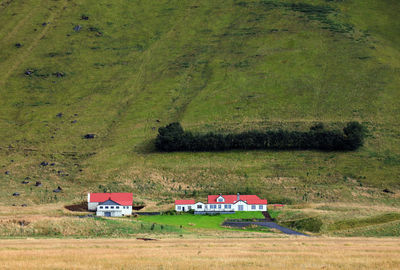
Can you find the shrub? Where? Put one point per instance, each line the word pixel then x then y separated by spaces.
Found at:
pixel 173 138
pixel 170 213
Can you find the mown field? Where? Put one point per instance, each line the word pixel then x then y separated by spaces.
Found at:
pixel 122 69
pixel 335 253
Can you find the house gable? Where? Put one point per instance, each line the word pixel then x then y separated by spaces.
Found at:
pixel 220 199
pixel 109 202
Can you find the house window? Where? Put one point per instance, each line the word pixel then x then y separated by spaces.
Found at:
pixel 189 207
pixel 219 206
pixel 199 206
pixel 117 207
pixel 112 207
pixel 261 207
pixel 179 208
pixel 253 207
pixel 225 206
pixel 240 207
pixel 106 207
pixel 101 207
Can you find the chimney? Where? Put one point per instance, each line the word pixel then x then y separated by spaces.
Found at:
pixel 238 197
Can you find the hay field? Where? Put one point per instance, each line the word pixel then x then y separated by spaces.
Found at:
pixel 294 253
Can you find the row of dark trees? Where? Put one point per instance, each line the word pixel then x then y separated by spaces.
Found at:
pixel 173 138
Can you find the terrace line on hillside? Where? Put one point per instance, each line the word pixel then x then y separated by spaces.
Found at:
pixel 110 204
pixel 223 203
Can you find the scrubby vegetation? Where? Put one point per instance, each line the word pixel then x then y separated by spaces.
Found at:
pixel 173 138
pixel 311 224
pixel 363 222
pixel 81 227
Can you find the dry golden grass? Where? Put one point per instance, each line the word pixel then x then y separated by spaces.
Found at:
pixel 293 253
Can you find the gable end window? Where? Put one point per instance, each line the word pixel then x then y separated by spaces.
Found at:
pixel 199 206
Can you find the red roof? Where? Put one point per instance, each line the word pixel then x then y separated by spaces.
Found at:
pixel 120 198
pixel 185 202
pixel 249 199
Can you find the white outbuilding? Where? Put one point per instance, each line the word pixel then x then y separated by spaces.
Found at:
pixel 110 204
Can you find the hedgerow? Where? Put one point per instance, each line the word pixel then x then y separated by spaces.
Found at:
pixel 173 138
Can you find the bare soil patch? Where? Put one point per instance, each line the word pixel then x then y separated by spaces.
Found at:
pixel 80 207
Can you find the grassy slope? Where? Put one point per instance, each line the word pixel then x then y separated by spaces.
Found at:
pixel 213 65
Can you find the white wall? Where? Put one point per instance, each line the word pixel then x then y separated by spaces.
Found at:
pixel 257 207
pixel 241 203
pixel 92 206
pixel 248 207
pixel 115 212
pixel 195 206
pixel 186 206
pixel 217 209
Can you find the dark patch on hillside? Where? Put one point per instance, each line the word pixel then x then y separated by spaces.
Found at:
pixel 79 207
pixel 320 13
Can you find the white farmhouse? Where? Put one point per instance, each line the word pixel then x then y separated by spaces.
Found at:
pixel 224 203
pixel 111 204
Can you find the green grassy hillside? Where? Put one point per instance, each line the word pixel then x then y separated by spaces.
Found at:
pixel 213 65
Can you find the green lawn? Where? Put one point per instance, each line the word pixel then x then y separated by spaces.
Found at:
pixel 199 221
